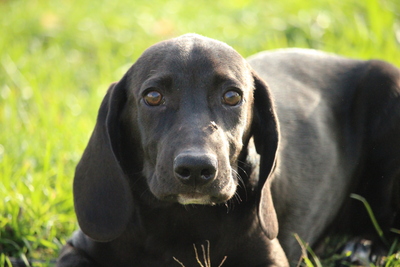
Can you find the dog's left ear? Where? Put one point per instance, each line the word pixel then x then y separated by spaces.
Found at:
pixel 266 138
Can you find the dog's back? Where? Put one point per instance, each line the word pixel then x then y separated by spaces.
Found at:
pixel 333 113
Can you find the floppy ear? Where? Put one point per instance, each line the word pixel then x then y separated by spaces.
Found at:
pixel 102 196
pixel 266 136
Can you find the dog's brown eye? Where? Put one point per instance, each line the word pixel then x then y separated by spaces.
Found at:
pixel 232 98
pixel 153 98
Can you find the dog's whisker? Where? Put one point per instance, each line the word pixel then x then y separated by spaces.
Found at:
pixel 244 163
pixel 141 175
pixel 242 169
pixel 238 198
pixel 228 206
pixel 144 192
pixel 238 174
pixel 241 183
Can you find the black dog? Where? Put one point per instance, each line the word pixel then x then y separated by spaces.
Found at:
pixel 192 147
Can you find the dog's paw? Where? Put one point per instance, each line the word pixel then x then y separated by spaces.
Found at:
pixel 361 252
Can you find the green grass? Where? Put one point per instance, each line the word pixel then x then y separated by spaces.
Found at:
pixel 57 59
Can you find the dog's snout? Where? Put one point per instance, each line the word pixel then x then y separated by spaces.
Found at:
pixel 195 169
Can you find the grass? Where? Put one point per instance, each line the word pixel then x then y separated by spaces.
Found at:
pixel 57 58
pixel 309 258
pixel 206 258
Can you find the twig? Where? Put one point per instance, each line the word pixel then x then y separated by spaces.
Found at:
pixel 306 248
pixel 197 256
pixel 223 260
pixel 175 259
pixel 206 256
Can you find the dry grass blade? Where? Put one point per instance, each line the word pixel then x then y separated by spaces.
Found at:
pixel 180 263
pixel 206 256
pixel 197 256
pixel 222 262
pixel 305 249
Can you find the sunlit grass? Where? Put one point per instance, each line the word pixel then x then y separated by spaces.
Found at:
pixel 57 58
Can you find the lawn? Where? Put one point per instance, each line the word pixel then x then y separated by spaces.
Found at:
pixel 57 59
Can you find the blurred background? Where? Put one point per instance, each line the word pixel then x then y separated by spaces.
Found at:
pixel 57 58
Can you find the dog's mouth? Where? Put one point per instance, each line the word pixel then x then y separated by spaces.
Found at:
pixel 195 198
pixel 216 192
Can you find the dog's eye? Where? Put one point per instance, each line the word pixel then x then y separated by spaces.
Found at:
pixel 153 98
pixel 232 98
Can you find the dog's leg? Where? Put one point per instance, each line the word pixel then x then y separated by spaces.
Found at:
pixel 71 256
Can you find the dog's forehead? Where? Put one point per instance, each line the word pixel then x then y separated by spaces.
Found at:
pixel 195 54
pixel 199 48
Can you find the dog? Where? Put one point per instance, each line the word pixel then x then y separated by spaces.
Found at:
pixel 197 147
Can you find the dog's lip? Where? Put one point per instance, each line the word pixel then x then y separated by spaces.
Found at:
pixel 195 198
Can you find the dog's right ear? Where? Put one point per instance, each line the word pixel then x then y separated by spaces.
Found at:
pixel 102 196
pixel 266 140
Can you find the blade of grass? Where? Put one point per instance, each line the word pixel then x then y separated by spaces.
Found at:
pixel 371 216
pixel 306 248
pixel 393 247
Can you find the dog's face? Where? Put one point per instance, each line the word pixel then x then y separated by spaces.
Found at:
pixel 193 100
pixel 178 125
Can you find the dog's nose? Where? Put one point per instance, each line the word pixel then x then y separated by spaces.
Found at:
pixel 194 168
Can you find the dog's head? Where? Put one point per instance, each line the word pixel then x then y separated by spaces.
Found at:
pixel 180 122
